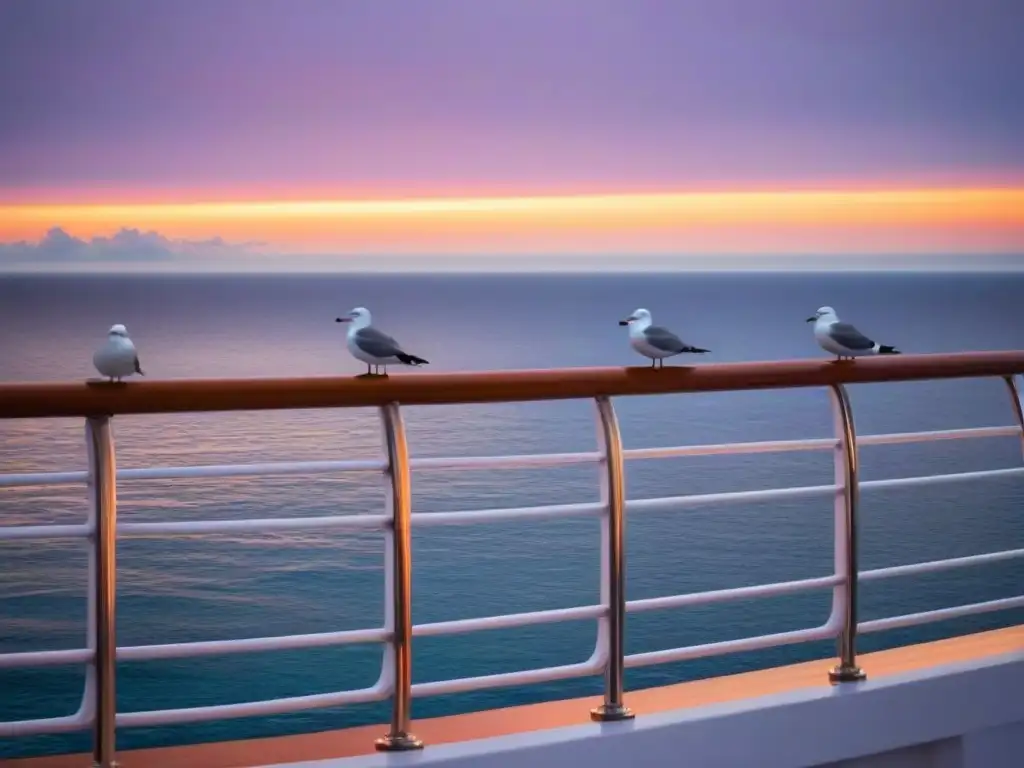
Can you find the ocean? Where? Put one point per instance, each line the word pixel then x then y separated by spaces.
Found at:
pixel 221 587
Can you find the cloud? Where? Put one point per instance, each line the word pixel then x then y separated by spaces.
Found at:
pixel 125 245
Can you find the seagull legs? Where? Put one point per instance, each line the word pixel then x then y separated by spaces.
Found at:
pixel 373 372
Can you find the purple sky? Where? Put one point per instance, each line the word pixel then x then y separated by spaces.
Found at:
pixel 505 95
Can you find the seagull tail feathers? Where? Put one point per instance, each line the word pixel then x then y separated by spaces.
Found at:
pixel 696 350
pixel 411 359
pixel 138 368
pixel 884 350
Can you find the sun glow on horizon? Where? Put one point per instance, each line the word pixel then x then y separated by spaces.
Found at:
pixel 922 219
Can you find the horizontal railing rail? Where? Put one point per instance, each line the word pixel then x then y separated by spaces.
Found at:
pixel 97 402
pixel 100 398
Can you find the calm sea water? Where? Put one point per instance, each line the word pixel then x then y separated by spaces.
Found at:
pixel 186 589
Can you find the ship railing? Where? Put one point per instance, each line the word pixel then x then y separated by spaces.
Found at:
pixel 98 403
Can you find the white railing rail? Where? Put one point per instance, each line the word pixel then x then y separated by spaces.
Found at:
pixel 97 710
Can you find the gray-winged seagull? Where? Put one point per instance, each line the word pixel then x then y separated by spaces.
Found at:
pixel 654 341
pixel 842 339
pixel 117 357
pixel 371 346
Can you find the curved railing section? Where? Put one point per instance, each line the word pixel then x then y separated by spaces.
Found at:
pixel 98 403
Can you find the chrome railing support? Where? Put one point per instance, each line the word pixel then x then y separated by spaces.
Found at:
pixel 1018 405
pixel 399 563
pixel 613 567
pixel 847 503
pixel 103 501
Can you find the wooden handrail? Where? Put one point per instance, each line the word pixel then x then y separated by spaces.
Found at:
pixel 92 398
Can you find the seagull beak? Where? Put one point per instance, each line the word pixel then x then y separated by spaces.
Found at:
pixel 343 320
pixel 811 319
pixel 627 321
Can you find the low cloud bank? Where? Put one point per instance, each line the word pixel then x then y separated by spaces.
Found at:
pixel 126 245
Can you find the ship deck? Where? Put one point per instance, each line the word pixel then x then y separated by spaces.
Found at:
pixel 350 742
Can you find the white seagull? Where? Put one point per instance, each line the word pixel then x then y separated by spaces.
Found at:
pixel 117 357
pixel 842 339
pixel 373 347
pixel 654 341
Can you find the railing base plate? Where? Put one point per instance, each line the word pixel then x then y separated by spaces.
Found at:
pixel 400 742
pixel 842 674
pixel 609 713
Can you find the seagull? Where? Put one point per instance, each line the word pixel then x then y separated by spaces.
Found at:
pixel 117 357
pixel 842 339
pixel 371 346
pixel 653 341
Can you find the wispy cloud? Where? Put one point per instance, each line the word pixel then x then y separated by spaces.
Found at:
pixel 125 245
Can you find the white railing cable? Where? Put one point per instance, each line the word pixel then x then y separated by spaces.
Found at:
pixel 940 565
pixel 46 658
pixel 942 614
pixel 251 645
pixel 469 463
pixel 826 631
pixel 508 620
pixel 756 592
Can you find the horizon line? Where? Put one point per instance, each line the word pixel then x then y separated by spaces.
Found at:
pixel 108 269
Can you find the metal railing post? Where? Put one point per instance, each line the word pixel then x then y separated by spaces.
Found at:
pixel 1018 406
pixel 103 500
pixel 613 570
pixel 399 739
pixel 847 503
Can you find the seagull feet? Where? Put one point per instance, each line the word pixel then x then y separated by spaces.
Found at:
pixel 369 375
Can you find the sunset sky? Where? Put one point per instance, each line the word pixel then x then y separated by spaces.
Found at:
pixel 268 132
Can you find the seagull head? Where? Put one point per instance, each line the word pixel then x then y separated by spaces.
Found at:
pixel 640 315
pixel 118 330
pixel 359 316
pixel 822 312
